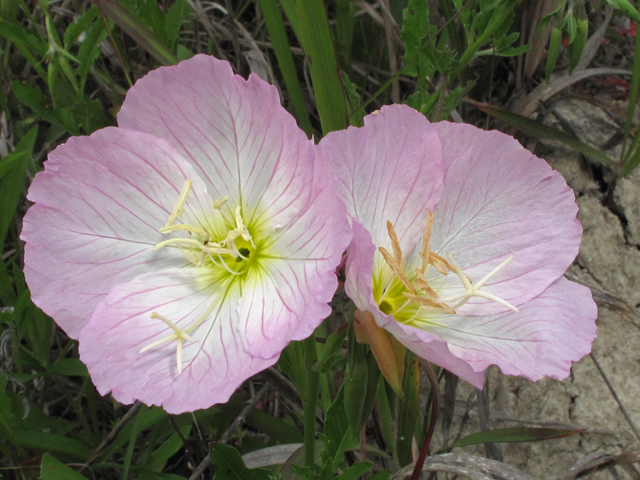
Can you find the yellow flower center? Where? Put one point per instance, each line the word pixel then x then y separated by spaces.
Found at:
pixel 408 296
pixel 229 255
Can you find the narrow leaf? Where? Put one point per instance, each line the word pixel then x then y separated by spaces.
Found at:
pixel 282 49
pixel 53 469
pixel 315 38
pixel 538 130
pixel 230 465
pixel 511 435
pixel 136 30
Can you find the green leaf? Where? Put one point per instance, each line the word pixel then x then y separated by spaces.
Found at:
pixel 414 31
pixel 331 359
pixel 355 384
pixel 282 49
pixel 355 471
pixel 75 29
pixel 315 38
pixel 25 42
pixel 53 469
pixel 408 411
pixel 630 159
pixel 626 7
pixel 538 130
pixel 337 437
pixel 511 435
pixel 136 30
pixel 50 442
pixel 71 367
pixel 9 161
pixel 513 52
pixel 161 455
pixel 159 476
pixel 176 15
pixel 230 466
pixel 576 48
pixel 555 41
pixel 13 182
pixel 90 50
pixel 380 476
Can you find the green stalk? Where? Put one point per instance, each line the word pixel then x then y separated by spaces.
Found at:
pixel 496 22
pixel 281 48
pixel 311 401
pixel 317 44
pixel 633 98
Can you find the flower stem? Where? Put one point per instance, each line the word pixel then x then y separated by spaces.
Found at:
pixel 435 407
pixel 313 381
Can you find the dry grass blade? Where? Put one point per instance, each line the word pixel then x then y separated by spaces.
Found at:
pixel 276 455
pixel 113 433
pixel 623 409
pixel 471 466
pixel 597 461
pixel 609 299
pixel 543 92
pixel 226 436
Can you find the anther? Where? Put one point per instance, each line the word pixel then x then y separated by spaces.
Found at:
pixel 178 334
pixel 178 210
pixel 218 204
pixel 474 290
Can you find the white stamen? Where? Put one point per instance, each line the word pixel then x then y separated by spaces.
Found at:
pixel 218 204
pixel 179 208
pixel 473 290
pixel 179 334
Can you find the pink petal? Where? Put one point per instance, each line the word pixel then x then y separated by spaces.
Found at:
pixel 429 347
pixel 236 134
pixel 550 332
pixel 98 207
pixel 214 363
pixel 424 344
pixel 297 276
pixel 388 170
pixel 501 200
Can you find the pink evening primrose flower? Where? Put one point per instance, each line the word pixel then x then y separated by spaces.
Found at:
pixel 187 247
pixel 460 241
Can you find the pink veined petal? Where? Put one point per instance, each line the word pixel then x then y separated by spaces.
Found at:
pixel 501 200
pixel 236 134
pixel 422 343
pixel 214 364
pixel 429 347
pixel 297 277
pixel 388 170
pixel 98 206
pixel 359 268
pixel 551 331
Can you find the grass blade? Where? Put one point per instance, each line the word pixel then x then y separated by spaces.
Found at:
pixel 538 130
pixel 136 30
pixel 315 38
pixel 510 435
pixel 278 35
pixel 633 99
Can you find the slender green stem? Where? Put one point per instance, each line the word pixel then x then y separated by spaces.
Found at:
pixel 495 23
pixel 282 49
pixel 384 410
pixel 310 404
pixel 315 38
pixel 633 98
pixel 325 389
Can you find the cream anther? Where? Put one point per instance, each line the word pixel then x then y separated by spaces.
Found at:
pixel 473 290
pixel 179 335
pixel 178 210
pixel 218 204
